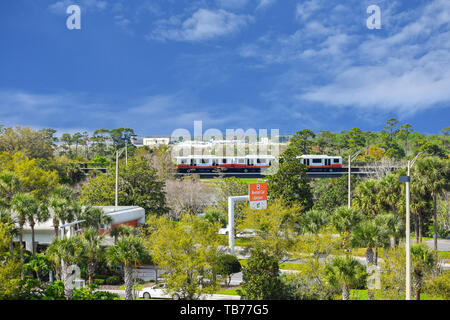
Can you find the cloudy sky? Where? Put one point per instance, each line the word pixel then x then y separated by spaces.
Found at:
pixel 159 65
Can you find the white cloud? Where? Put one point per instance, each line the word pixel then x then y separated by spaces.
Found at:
pixel 158 113
pixel 305 9
pixel 405 72
pixel 204 24
pixel 265 3
pixel 403 69
pixel 60 7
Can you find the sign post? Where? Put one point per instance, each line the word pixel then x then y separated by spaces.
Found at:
pixel 257 195
pixel 231 201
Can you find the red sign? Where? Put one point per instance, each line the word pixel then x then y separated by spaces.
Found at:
pixel 257 195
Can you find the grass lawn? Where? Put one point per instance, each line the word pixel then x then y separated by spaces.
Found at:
pixel 444 254
pixel 229 292
pixel 252 180
pixel 362 295
pixel 246 180
pixel 137 287
pixel 291 266
pixel 361 252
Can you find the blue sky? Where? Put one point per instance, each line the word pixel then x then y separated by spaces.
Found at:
pixel 158 65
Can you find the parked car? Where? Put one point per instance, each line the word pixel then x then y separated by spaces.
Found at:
pixel 157 291
pixel 247 233
pixel 223 231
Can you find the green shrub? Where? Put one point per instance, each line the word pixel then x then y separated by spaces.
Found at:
pixel 99 282
pixel 226 265
pixel 439 286
pixel 55 291
pixel 113 280
pixel 90 294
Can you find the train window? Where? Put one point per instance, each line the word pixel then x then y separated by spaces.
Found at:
pixel 259 161
pixel 336 160
pixel 224 161
pixel 204 161
pixel 183 161
pixel 317 161
pixel 241 161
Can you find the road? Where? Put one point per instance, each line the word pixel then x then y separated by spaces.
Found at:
pixel 121 294
pixel 443 244
pixel 147 273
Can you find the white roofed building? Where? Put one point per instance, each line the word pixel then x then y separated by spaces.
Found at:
pixel 45 232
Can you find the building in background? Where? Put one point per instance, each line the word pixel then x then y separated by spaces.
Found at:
pixel 44 232
pixel 156 141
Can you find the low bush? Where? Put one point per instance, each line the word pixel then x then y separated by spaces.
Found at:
pixel 112 280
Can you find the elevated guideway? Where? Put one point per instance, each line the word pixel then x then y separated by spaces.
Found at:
pixel 360 169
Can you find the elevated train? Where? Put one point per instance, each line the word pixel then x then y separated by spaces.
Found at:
pixel 250 163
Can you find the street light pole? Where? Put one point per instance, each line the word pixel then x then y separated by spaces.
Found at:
pixel 349 183
pixel 126 152
pixel 408 229
pixel 116 203
pixel 408 240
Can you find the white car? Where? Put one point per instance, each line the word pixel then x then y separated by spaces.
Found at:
pixel 247 233
pixel 223 231
pixel 157 291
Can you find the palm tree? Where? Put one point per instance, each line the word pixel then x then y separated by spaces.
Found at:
pixel 421 202
pixel 344 220
pixel 393 224
pixel 367 196
pixel 64 192
pixel 370 235
pixel 95 218
pixel 60 211
pixel 64 253
pixel 121 231
pixel 391 190
pixel 8 219
pixel 312 221
pixel 39 213
pixel 345 272
pixel 435 176
pixel 423 262
pixel 126 252
pixel 10 184
pixel 93 250
pixel 24 206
